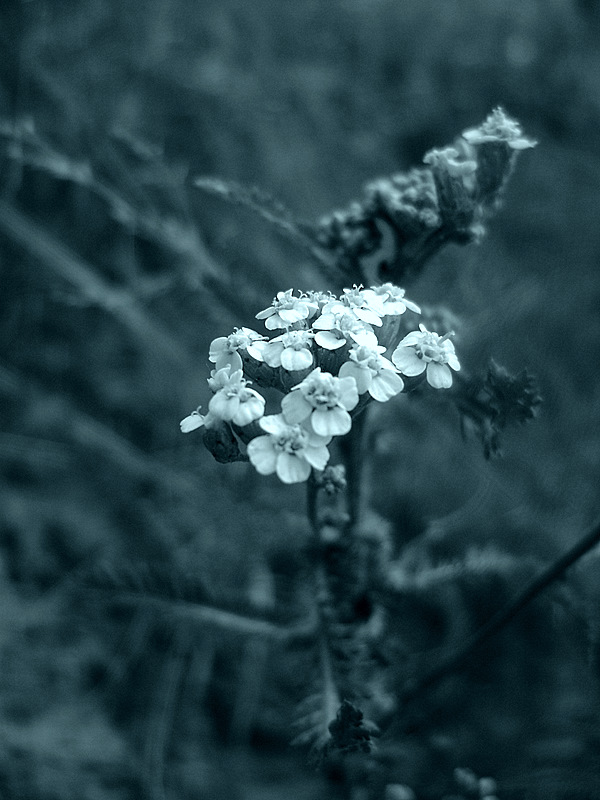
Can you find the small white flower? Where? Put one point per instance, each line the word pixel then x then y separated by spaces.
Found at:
pixel 290 450
pixel 291 350
pixel 363 303
pixel 287 310
pixel 193 421
pixel 372 372
pixel 221 377
pixel 234 401
pixel 335 328
pixel 318 299
pixel 425 350
pixel 394 301
pixel 324 400
pixel 224 349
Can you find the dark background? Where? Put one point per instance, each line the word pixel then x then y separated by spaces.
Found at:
pixel 109 260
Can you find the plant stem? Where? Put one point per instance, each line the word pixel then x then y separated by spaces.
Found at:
pixel 312 491
pixel 459 658
pixel 353 450
pixel 322 600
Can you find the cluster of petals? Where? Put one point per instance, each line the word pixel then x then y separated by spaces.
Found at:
pixel 425 351
pixel 394 301
pixel 372 372
pixel 287 310
pixel 322 400
pixel 336 327
pixel 290 450
pixel 224 350
pixel 317 408
pixel 234 401
pixel 365 304
pixel 291 350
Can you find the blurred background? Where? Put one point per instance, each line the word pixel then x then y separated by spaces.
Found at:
pixel 115 275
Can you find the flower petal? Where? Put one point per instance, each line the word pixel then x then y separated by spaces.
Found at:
pixel 274 423
pixel 317 457
pixel 439 375
pixel 291 469
pixel 266 313
pixel 385 385
pixel 223 406
pixel 411 306
pixel 296 359
pixel 330 422
pixel 291 315
pixel 325 322
pixel 348 393
pixel 274 322
pixel 272 354
pixel 255 350
pixel 192 422
pixel 368 316
pixel 365 338
pixel 249 410
pixel 217 346
pixel 262 455
pixel 294 407
pixel 233 359
pixel 414 337
pixel 361 375
pixel 329 340
pixel 453 361
pixel 407 360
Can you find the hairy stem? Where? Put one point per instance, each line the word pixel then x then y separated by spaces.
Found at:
pixel 353 450
pixel 321 589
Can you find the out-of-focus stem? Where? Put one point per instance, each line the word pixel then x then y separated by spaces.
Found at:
pixel 312 491
pixel 455 661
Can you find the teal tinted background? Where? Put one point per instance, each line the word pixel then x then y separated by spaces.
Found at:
pixel 109 110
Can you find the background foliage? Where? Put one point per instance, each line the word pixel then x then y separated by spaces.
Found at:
pixel 115 275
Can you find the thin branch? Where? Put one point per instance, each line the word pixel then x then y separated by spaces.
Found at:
pixel 174 232
pixel 222 619
pixel 270 210
pixel 458 659
pixel 120 303
pixel 162 715
pixel 91 434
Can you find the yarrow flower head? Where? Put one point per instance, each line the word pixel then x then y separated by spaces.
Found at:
pixel 287 310
pixel 234 401
pixel 291 350
pixel 225 349
pixel 316 406
pixel 324 401
pixel 372 372
pixel 425 350
pixel 288 449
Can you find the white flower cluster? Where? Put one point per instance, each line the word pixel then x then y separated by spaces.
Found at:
pixel 328 352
